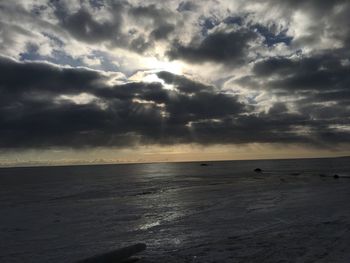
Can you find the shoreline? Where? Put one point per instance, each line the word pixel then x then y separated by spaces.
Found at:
pixel 165 162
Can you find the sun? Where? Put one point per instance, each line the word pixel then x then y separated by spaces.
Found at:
pixel 152 66
pixel 175 67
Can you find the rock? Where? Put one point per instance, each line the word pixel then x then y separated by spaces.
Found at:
pixel 322 175
pixel 144 193
pixel 204 164
pixel 131 260
pixel 118 255
pixel 336 176
pixel 257 170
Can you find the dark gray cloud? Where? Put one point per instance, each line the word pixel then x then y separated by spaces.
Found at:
pixel 323 23
pixel 111 28
pixel 33 115
pixel 162 31
pixel 151 12
pixel 326 19
pixel 218 47
pixel 83 27
pixel 33 112
pixel 327 72
pixel 159 19
pixel 317 6
pixel 21 78
pixel 187 6
pixel 317 85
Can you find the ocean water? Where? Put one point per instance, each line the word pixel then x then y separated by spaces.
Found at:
pixel 184 212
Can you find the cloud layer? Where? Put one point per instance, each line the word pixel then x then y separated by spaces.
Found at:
pixel 106 73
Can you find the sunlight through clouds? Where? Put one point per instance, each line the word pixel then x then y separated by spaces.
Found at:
pixel 214 72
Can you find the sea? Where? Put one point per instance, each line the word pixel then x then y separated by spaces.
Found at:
pixel 292 211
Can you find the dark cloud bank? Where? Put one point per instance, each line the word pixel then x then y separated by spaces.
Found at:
pixel 33 112
pixel 39 106
pixel 82 25
pixel 218 47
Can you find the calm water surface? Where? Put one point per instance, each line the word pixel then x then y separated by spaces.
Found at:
pixel 184 212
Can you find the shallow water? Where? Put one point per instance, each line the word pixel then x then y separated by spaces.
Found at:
pixel 184 212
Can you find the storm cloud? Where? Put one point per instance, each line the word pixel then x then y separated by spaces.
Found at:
pixel 121 73
pixel 54 106
pixel 219 47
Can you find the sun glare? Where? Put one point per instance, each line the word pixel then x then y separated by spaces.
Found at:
pixel 175 67
pixel 152 77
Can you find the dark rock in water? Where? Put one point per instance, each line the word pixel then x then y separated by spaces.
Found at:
pixel 336 176
pixel 204 164
pixel 145 193
pixel 295 174
pixel 131 260
pixel 322 175
pixel 116 256
pixel 257 170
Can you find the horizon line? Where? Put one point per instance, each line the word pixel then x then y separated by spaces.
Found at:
pixel 42 165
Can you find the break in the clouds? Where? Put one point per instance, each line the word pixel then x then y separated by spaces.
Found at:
pixel 120 73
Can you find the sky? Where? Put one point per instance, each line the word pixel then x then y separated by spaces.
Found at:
pixel 102 81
